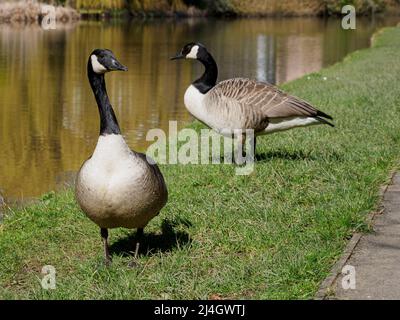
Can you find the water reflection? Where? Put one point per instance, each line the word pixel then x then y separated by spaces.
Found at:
pixel 48 117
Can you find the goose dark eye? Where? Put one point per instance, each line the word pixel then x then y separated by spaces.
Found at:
pixel 186 49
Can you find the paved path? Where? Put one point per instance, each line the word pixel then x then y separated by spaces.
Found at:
pixel 376 256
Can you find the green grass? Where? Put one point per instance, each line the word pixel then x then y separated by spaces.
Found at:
pixel 271 235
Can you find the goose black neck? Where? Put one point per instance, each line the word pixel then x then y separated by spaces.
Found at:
pixel 108 120
pixel 209 78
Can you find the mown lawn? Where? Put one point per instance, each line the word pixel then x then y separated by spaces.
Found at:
pixel 270 235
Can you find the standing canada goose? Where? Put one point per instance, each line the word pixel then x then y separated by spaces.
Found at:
pixel 241 103
pixel 116 187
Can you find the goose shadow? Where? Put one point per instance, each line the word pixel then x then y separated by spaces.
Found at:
pixel 151 242
pixel 290 155
pixel 297 155
pixel 284 154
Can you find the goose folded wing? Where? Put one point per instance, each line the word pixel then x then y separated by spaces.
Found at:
pixel 265 99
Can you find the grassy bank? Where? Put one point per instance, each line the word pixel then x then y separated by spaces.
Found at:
pixel 239 7
pixel 273 234
pixel 230 7
pixel 298 8
pixel 140 8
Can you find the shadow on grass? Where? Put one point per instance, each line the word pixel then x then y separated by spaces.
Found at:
pixel 291 155
pixel 296 155
pixel 151 243
pixel 283 154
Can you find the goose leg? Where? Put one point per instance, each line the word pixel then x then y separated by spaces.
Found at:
pixel 240 149
pixel 104 235
pixel 138 237
pixel 251 143
pixel 253 148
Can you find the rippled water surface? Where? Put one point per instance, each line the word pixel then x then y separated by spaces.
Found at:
pixel 48 117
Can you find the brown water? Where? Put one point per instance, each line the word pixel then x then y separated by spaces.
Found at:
pixel 48 117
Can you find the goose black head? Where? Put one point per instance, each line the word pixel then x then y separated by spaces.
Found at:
pixel 103 60
pixel 192 50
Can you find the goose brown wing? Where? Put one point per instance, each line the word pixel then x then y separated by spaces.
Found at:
pixel 264 99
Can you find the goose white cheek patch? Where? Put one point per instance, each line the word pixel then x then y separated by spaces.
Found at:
pixel 96 65
pixel 193 53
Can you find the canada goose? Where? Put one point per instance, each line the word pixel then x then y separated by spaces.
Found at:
pixel 241 103
pixel 116 187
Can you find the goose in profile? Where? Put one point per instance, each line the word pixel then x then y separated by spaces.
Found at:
pixel 116 186
pixel 241 103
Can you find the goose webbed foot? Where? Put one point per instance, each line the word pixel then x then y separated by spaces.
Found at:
pixel 134 262
pixel 104 236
